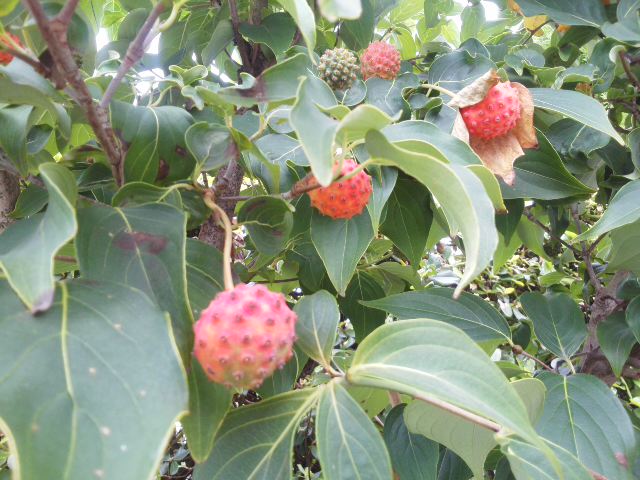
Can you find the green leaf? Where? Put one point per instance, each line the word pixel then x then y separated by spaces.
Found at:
pixel 530 463
pixel 269 222
pixel 256 442
pixel 578 415
pixel 571 138
pixel 413 456
pixel 473 20
pixel 316 131
pixel 452 467
pixel 386 95
pixel 276 31
pixel 359 121
pixel 332 10
pixel 590 13
pixel 143 247
pixel 627 28
pixel 32 199
pixel 35 241
pixel 204 274
pixel 461 194
pixel 276 83
pixel 572 104
pixel 400 356
pixel 456 70
pixel 221 37
pixel 634 146
pixel 210 144
pixel 633 317
pixel 82 379
pixel 470 441
pixel 625 249
pixel 383 181
pixel 7 7
pixel 623 209
pixel 317 325
pixel 616 340
pixel 284 380
pixel 341 244
pixel 365 320
pixel 542 175
pixel 208 404
pixel 14 126
pixel 507 224
pixel 357 34
pixel 305 19
pixel 470 313
pixel 557 321
pixel 349 446
pixel 408 219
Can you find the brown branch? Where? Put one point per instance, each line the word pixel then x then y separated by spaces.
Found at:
pixel 66 70
pixel 37 65
pixel 531 218
pixel 586 253
pixel 134 54
pixel 518 350
pixel 627 69
pixel 66 14
pixel 243 46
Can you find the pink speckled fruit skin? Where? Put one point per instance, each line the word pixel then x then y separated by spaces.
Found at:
pixel 380 60
pixel 244 335
pixel 344 200
pixel 494 116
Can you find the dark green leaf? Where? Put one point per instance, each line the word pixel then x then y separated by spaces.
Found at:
pixel 586 12
pixel 364 319
pixel 616 340
pixel 507 224
pixel 317 325
pixel 275 31
pixel 269 222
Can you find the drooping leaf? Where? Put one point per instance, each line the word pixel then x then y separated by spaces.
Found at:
pixel 208 404
pixel 35 241
pixel 143 247
pixel 82 379
pixel 341 244
pixel 256 442
pixel 317 324
pixel 383 181
pixel 470 313
pixel 269 222
pixel 578 414
pixel 623 210
pixel 557 322
pixel 576 105
pixel 349 446
pixel 616 340
pixel 438 363
pixel 414 457
pixel 460 193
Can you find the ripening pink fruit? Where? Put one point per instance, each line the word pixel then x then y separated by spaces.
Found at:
pixel 496 114
pixel 244 335
pixel 380 60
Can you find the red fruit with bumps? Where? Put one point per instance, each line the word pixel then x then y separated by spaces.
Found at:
pixel 494 116
pixel 380 60
pixel 244 335
pixel 5 57
pixel 346 199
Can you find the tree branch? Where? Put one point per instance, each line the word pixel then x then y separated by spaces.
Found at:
pixel 66 70
pixel 66 14
pixel 627 69
pixel 531 218
pixel 586 253
pixel 37 65
pixel 134 54
pixel 243 47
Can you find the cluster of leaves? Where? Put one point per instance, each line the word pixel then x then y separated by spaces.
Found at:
pixel 409 367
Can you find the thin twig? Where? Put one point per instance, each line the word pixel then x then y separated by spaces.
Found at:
pixel 66 14
pixel 394 398
pixel 240 43
pixel 531 218
pixel 518 350
pixel 586 253
pixel 134 53
pixel 627 69
pixel 534 31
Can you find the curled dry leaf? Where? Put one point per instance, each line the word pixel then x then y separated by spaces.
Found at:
pixel 497 154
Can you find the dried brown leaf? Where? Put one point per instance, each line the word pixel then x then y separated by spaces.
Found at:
pixel 498 155
pixel 475 93
pixel 460 130
pixel 524 130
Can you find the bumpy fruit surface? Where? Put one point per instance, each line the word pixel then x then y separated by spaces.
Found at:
pixel 244 335
pixel 5 58
pixel 380 60
pixel 339 68
pixel 494 116
pixel 344 200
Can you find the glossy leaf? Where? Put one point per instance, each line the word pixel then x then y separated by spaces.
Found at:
pixel 461 194
pixel 616 340
pixel 557 322
pixel 471 314
pixel 414 457
pixel 437 362
pixel 150 241
pixel 578 415
pixel 256 442
pixel 340 244
pixel 86 372
pixel 35 241
pixel 317 325
pixel 349 446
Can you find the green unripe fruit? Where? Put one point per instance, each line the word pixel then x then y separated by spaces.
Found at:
pixel 339 68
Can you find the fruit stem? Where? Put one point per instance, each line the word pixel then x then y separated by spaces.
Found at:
pixel 439 89
pixel 228 239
